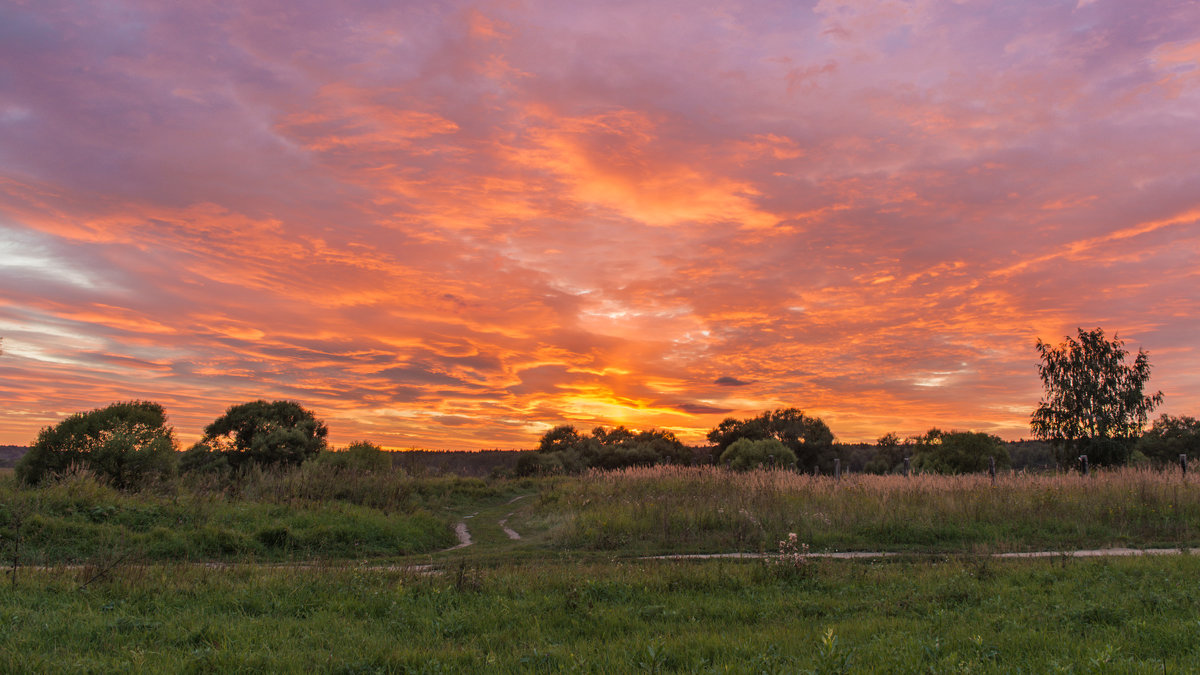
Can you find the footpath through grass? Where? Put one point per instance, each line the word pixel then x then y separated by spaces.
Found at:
pixel 951 616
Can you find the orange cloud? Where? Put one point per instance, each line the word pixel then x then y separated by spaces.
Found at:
pixel 615 160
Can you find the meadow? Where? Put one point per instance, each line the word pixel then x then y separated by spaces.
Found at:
pixel 705 509
pixel 353 572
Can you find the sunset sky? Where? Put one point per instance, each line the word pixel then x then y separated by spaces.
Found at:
pixel 455 225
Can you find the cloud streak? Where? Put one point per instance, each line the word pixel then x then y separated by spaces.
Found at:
pixel 457 224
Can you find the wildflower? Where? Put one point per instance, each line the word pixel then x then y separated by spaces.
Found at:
pixel 792 552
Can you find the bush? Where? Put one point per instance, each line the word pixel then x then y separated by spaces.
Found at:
pixel 959 452
pixel 889 455
pixel 358 456
pixel 280 433
pixel 1102 451
pixel 564 450
pixel 745 454
pixel 1169 437
pixel 809 438
pixel 127 445
pixel 201 459
pixel 539 464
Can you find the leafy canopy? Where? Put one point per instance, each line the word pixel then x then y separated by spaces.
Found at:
pixel 809 438
pixel 127 444
pixel 564 449
pixel 744 454
pixel 1094 399
pixel 1169 437
pixel 279 433
pixel 958 452
pixel 362 456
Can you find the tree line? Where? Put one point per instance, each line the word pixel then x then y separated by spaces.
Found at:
pixel 131 445
pixel 1095 406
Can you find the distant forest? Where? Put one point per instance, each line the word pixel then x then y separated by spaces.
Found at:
pixel 1027 455
pixel 9 454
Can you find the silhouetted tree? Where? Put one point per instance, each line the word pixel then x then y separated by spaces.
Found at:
pixel 279 433
pixel 564 450
pixel 127 444
pixel 890 452
pixel 1095 403
pixel 562 437
pixel 744 454
pixel 1169 437
pixel 807 437
pixel 958 452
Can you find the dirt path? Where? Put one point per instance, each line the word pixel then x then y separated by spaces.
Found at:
pixel 464 536
pixel 851 555
pixel 1099 553
pixel 839 555
pixel 465 540
pixel 464 533
pixel 512 534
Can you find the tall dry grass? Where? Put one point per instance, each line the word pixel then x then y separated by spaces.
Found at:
pixel 707 508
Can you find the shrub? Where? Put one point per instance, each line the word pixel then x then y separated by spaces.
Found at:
pixel 125 444
pixel 1103 451
pixel 564 450
pixel 958 452
pixel 745 454
pixel 539 464
pixel 889 454
pixel 809 438
pixel 358 456
pixel 200 458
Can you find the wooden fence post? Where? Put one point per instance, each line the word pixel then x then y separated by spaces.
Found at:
pixel 837 468
pixel 992 469
pixel 1183 463
pixel 907 466
pixel 1083 461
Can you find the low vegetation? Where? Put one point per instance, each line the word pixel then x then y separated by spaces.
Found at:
pixel 957 615
pixel 707 509
pixel 313 512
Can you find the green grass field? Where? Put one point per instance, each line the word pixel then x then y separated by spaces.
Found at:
pixel 351 574
pixel 942 616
